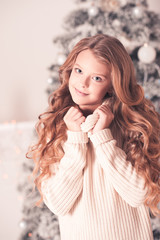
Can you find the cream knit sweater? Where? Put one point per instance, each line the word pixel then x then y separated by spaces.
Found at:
pixel 95 192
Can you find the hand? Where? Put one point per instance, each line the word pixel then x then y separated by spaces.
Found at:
pixel 105 118
pixel 73 119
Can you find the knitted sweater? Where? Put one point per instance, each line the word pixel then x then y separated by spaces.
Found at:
pixel 95 192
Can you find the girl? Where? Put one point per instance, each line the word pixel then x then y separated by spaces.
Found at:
pixel 97 157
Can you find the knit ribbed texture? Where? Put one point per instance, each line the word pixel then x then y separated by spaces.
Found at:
pixel 90 122
pixel 96 193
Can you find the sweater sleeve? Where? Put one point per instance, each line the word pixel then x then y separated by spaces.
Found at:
pixel 61 190
pixel 122 175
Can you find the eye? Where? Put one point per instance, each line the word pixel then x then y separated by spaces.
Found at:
pixel 78 70
pixel 97 79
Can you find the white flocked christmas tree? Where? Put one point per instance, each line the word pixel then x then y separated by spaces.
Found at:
pixel 138 29
pixel 131 22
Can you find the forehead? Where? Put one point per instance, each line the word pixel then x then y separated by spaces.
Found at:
pixel 87 60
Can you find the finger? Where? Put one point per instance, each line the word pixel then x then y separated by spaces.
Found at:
pixel 75 111
pixel 80 120
pixel 104 107
pixel 77 115
pixel 100 110
pixel 105 110
pixel 71 113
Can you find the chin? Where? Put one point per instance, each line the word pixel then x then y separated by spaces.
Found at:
pixel 77 100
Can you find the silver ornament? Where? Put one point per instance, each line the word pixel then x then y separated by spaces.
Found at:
pixel 50 80
pixel 116 23
pixel 137 12
pixel 23 224
pixel 146 54
pixel 123 2
pixel 61 59
pixel 93 11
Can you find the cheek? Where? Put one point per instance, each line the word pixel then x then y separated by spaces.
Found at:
pixel 71 79
pixel 101 92
pixel 71 84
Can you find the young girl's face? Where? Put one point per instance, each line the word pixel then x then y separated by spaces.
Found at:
pixel 89 81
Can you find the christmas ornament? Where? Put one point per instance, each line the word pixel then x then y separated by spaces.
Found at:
pixel 110 5
pixel 53 81
pixel 93 11
pixel 146 54
pixel 116 23
pixel 50 80
pixel 61 59
pixel 23 224
pixel 123 2
pixel 113 4
pixel 137 11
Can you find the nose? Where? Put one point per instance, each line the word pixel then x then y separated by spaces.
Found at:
pixel 84 81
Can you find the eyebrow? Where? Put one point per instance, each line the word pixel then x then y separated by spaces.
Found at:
pixel 99 74
pixel 77 65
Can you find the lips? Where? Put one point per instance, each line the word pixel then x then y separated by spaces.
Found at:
pixel 80 93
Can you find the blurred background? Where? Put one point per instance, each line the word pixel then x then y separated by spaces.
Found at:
pixel 36 36
pixel 26 51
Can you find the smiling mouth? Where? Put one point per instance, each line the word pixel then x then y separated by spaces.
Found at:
pixel 80 93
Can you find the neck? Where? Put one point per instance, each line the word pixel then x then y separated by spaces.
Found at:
pixel 87 110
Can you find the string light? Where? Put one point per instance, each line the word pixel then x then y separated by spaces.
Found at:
pixel 5 176
pixel 29 234
pixel 20 198
pixel 13 121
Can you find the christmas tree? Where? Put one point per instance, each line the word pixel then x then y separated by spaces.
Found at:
pixel 38 223
pixel 138 29
pixel 131 22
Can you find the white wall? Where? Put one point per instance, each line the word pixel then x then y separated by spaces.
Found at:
pixel 27 28
pixel 154 5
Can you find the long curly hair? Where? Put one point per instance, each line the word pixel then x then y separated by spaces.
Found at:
pixel 136 124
